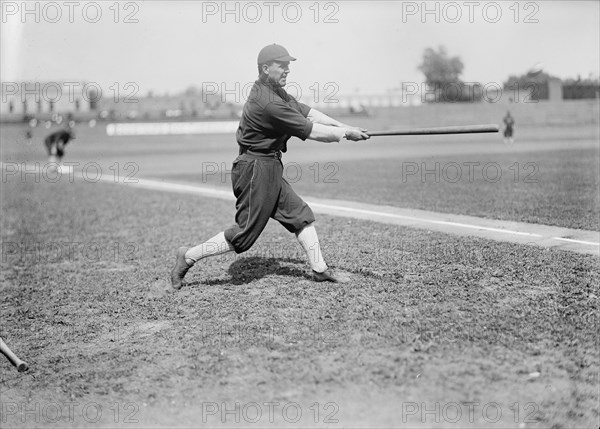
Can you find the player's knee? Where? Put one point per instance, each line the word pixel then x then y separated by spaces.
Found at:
pixel 241 242
pixel 302 226
pixel 241 246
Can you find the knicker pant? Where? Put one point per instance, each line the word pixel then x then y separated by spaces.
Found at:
pixel 262 193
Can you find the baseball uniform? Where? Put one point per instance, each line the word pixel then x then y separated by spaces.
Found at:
pixel 270 118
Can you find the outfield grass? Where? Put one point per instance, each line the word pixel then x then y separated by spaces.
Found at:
pixel 429 318
pixel 551 175
pixel 556 188
pixel 553 188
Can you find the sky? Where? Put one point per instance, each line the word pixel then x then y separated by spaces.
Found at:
pixel 350 47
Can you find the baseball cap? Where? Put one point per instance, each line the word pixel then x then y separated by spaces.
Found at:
pixel 274 52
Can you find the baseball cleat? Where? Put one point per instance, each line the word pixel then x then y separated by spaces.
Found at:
pixel 180 269
pixel 330 276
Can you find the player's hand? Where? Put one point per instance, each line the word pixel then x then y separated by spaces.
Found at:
pixel 357 134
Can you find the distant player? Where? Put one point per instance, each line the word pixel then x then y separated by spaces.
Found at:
pixel 509 124
pixel 56 142
pixel 29 132
pixel 29 135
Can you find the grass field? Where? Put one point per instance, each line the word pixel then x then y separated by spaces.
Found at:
pixel 551 188
pixel 434 330
pixel 550 176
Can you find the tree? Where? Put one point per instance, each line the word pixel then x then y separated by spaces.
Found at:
pixel 439 69
pixel 442 75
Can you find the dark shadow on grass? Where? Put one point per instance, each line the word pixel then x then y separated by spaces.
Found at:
pixel 246 270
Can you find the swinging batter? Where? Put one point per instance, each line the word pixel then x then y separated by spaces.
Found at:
pixel 270 117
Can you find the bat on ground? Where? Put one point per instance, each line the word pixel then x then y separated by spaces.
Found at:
pixel 13 358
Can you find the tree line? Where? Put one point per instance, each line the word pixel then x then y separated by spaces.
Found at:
pixel 442 76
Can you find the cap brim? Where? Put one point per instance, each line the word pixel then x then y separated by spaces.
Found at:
pixel 285 58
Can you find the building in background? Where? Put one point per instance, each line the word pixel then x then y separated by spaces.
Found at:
pixel 84 101
pixel 43 99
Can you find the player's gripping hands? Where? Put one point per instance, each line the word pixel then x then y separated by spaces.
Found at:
pixel 356 134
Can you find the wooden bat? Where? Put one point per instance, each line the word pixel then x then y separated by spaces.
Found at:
pixel 13 358
pixel 460 129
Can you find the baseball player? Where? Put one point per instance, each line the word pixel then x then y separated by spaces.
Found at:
pixel 29 135
pixel 270 117
pixel 31 124
pixel 509 123
pixel 56 142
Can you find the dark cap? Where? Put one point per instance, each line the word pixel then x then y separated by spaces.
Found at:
pixel 274 52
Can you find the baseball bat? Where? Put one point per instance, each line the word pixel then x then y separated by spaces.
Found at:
pixel 13 358
pixel 459 129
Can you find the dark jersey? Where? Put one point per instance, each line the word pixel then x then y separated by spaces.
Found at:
pixel 270 117
pixel 58 136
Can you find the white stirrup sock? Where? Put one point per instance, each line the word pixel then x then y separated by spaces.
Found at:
pixel 310 243
pixel 214 246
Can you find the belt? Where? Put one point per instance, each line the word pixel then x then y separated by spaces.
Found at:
pixel 276 154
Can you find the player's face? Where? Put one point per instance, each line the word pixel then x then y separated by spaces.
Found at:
pixel 278 72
